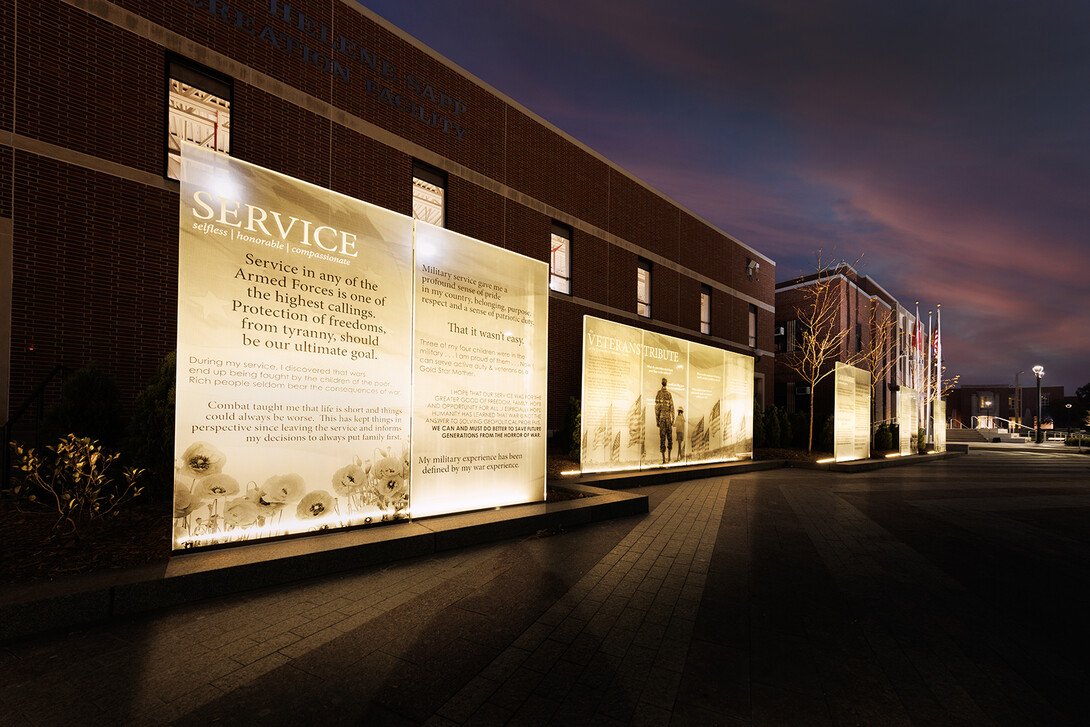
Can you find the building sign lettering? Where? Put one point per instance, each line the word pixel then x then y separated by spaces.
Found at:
pixel 330 52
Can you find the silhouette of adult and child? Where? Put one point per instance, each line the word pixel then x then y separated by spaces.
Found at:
pixel 669 425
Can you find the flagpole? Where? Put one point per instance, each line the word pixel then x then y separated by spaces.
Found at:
pixel 916 368
pixel 927 404
pixel 938 351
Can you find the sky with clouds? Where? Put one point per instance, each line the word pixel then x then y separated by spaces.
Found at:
pixel 948 144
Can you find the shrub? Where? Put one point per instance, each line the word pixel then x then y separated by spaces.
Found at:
pixel 90 406
pixel 773 435
pixel 758 426
pixel 921 440
pixel 882 438
pixel 575 423
pixel 827 433
pixel 150 440
pixel 74 480
pixel 787 428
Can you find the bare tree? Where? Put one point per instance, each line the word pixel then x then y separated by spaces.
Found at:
pixel 820 335
pixel 879 354
pixel 941 392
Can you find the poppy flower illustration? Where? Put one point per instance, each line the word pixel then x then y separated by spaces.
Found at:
pixel 216 486
pixel 282 489
pixel 202 459
pixel 266 508
pixel 241 512
pixel 349 480
pixel 315 505
pixel 185 501
pixel 389 486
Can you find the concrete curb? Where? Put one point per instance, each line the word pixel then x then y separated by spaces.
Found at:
pixel 35 608
pixel 660 476
pixel 666 475
pixel 869 465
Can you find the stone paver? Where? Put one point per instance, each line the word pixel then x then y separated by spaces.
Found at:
pixel 953 592
pixel 621 645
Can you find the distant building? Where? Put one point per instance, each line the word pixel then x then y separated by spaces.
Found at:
pixel 989 406
pixel 867 314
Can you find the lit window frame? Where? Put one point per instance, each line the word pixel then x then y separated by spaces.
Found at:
pixel 752 326
pixel 643 288
pixel 705 310
pixel 560 258
pixel 198 109
pixel 430 197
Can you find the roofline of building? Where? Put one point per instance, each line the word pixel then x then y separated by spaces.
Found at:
pixel 387 25
pixel 835 272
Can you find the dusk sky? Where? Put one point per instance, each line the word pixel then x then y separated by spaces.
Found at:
pixel 948 144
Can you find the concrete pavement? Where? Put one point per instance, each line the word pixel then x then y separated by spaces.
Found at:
pixel 952 592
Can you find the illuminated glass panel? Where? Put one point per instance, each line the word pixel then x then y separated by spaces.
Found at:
pixel 560 260
pixel 197 116
pixel 643 288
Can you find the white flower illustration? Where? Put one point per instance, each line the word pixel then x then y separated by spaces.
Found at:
pixel 216 486
pixel 202 459
pixel 349 480
pixel 315 505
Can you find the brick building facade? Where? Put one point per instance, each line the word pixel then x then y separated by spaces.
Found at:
pixel 329 93
pixel 866 318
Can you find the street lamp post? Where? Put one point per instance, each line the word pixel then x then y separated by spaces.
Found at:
pixel 1017 402
pixel 1039 371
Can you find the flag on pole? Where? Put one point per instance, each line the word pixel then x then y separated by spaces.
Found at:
pixel 713 425
pixel 697 438
pixel 927 377
pixel 938 352
pixel 917 349
pixel 635 422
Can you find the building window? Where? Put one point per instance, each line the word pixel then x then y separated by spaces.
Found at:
pixel 705 309
pixel 198 111
pixel 429 194
pixel 752 325
pixel 858 337
pixel 560 259
pixel 643 288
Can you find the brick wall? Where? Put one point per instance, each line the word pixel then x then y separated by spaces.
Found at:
pixel 95 250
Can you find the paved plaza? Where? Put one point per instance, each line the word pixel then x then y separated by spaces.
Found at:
pixel 950 592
